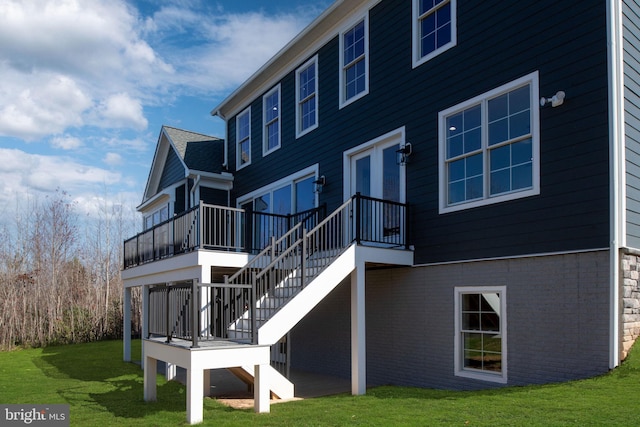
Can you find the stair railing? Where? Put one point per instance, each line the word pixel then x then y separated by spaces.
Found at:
pixel 247 299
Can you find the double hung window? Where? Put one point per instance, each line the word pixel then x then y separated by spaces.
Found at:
pixel 434 28
pixel 354 75
pixel 243 138
pixel 489 147
pixel 271 119
pixel 480 347
pixel 307 97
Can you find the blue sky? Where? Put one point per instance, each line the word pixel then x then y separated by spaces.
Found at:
pixel 87 84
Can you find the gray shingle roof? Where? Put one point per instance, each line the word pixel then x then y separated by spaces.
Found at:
pixel 199 152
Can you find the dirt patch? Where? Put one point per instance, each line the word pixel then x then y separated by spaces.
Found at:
pixel 247 403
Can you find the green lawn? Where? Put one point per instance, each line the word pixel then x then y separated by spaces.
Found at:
pixel 102 390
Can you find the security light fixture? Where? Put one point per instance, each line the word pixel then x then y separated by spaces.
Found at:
pixel 403 154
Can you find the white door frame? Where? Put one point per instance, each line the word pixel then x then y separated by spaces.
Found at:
pixel 396 136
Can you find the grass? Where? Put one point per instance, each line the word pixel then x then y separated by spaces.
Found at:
pixel 103 390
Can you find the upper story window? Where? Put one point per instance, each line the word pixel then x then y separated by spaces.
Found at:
pixel 243 138
pixel 354 63
pixel 489 147
pixel 481 333
pixel 434 28
pixel 271 120
pixel 307 97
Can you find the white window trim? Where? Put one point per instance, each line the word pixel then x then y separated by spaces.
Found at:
pixel 343 92
pixel 531 79
pixel 238 151
pixel 417 60
pixel 459 370
pixel 265 137
pixel 290 179
pixel 312 62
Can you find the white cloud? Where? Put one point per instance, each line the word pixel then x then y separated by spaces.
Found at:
pixel 35 108
pixel 88 76
pixel 230 46
pixel 121 111
pixel 99 62
pixel 66 142
pixel 83 56
pixel 113 159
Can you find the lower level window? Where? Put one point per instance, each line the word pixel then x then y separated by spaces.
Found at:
pixel 480 345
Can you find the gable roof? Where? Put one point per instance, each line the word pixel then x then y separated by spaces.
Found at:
pixel 198 154
pixel 197 151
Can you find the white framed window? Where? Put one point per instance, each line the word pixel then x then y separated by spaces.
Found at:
pixel 243 138
pixel 307 97
pixel 354 62
pixel 434 28
pixel 271 121
pixel 277 204
pixel 156 217
pixel 489 147
pixel 481 333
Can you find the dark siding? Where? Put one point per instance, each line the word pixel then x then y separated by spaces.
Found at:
pixel 173 170
pixel 571 213
pixel 631 11
pixel 181 200
pixel 213 196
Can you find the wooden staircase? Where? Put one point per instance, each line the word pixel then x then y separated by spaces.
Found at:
pixel 295 272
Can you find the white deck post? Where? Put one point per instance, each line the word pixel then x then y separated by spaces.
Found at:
pixel 261 392
pixel 171 371
pixel 195 380
pixel 126 327
pixel 150 372
pixel 358 339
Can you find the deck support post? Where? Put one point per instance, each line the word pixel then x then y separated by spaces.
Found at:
pixel 145 316
pixel 195 384
pixel 261 392
pixel 150 372
pixel 206 385
pixel 126 325
pixel 358 331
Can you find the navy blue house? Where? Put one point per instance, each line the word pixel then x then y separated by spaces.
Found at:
pixel 432 193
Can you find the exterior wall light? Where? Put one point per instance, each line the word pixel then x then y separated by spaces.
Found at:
pixel 555 100
pixel 403 154
pixel 318 184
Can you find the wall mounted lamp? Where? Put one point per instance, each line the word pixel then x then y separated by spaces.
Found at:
pixel 403 154
pixel 555 100
pixel 318 184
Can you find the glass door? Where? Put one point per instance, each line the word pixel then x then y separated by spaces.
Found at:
pixel 377 176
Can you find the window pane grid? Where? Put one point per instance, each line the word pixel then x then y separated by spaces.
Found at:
pixel 244 138
pixel 480 332
pixel 501 128
pixel 272 135
pixel 272 120
pixel 354 60
pixel 434 22
pixel 307 98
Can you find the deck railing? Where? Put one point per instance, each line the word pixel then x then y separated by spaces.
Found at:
pixel 213 227
pixel 235 310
